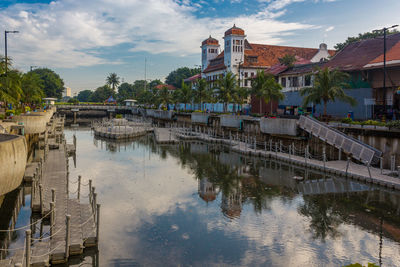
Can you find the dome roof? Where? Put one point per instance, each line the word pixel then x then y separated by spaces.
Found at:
pixel 234 31
pixel 210 41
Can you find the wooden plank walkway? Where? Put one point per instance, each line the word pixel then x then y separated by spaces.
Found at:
pixel 338 167
pixel 54 204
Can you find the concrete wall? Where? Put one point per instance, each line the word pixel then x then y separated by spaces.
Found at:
pixel 13 156
pixel 35 122
pixel 198 117
pixel 338 108
pixel 279 126
pixel 231 121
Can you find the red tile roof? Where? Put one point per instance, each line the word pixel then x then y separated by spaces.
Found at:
pixel 168 86
pixel 234 30
pixel 210 41
pixel 193 78
pixel 216 64
pixel 356 55
pixel 258 55
pixel 392 58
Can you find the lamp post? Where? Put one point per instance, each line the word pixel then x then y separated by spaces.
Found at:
pixel 5 47
pixel 385 29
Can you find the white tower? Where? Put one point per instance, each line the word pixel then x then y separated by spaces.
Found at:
pixel 234 48
pixel 209 51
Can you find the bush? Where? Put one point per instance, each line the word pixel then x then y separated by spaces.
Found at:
pixel 27 109
pixel 118 116
pixel 393 124
pixel 9 112
pixel 346 120
pixel 2 116
pixel 371 122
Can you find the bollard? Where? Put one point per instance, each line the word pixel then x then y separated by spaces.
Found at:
pixel 67 234
pixel 381 164
pixel 347 165
pixel 97 222
pixel 94 203
pixel 392 162
pixel 79 186
pixel 51 217
pixel 340 154
pixel 90 190
pixel 41 197
pixel 28 247
pixel 265 145
pixel 53 195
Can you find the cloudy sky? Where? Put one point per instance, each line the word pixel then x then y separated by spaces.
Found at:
pixel 85 40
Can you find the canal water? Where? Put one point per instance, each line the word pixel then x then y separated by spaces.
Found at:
pixel 196 204
pixel 199 204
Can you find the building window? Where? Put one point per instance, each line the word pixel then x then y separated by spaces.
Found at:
pixel 252 74
pixel 283 82
pixel 307 80
pixel 245 74
pixel 245 83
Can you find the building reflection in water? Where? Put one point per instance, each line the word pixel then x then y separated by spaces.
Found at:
pixel 207 190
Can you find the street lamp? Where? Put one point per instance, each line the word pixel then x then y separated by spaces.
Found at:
pixel 5 45
pixel 385 29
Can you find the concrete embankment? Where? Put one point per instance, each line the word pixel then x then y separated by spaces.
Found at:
pixel 13 156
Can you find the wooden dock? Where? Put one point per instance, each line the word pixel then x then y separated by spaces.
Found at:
pixel 345 168
pixel 73 225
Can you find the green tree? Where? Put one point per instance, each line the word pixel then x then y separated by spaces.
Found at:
pixel 154 83
pixel 176 77
pixel 186 94
pixel 53 84
pixel 328 86
pixel 225 89
pixel 112 80
pixel 102 93
pixel 84 95
pixel 165 96
pixel 266 88
pixel 362 36
pixel 126 91
pixel 10 87
pixel 32 87
pixel 202 92
pixel 241 95
pixel 288 60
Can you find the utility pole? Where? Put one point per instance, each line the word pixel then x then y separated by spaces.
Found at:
pixel 145 78
pixel 5 47
pixel 385 30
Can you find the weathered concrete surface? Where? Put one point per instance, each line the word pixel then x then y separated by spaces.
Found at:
pixel 35 122
pixel 198 117
pixel 13 155
pixel 231 121
pixel 279 126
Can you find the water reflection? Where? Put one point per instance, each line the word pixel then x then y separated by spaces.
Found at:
pixel 200 204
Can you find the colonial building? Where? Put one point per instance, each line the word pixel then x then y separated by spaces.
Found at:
pixel 244 58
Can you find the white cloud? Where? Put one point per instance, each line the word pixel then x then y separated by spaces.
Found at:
pixel 69 33
pixel 330 28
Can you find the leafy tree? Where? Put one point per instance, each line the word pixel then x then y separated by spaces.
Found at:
pixel 73 100
pixel 186 94
pixel 102 93
pixel 32 87
pixel 154 83
pixel 202 92
pixel 176 77
pixel 328 86
pixel 113 80
pixel 85 95
pixel 288 60
pixel 126 91
pixel 362 36
pixel 10 87
pixel 165 96
pixel 53 84
pixel 225 89
pixel 241 95
pixel 265 87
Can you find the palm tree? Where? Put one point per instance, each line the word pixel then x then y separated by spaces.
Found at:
pixel 10 87
pixel 328 86
pixel 202 92
pixel 186 94
pixel 113 80
pixel 265 87
pixel 241 94
pixel 225 88
pixel 165 96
